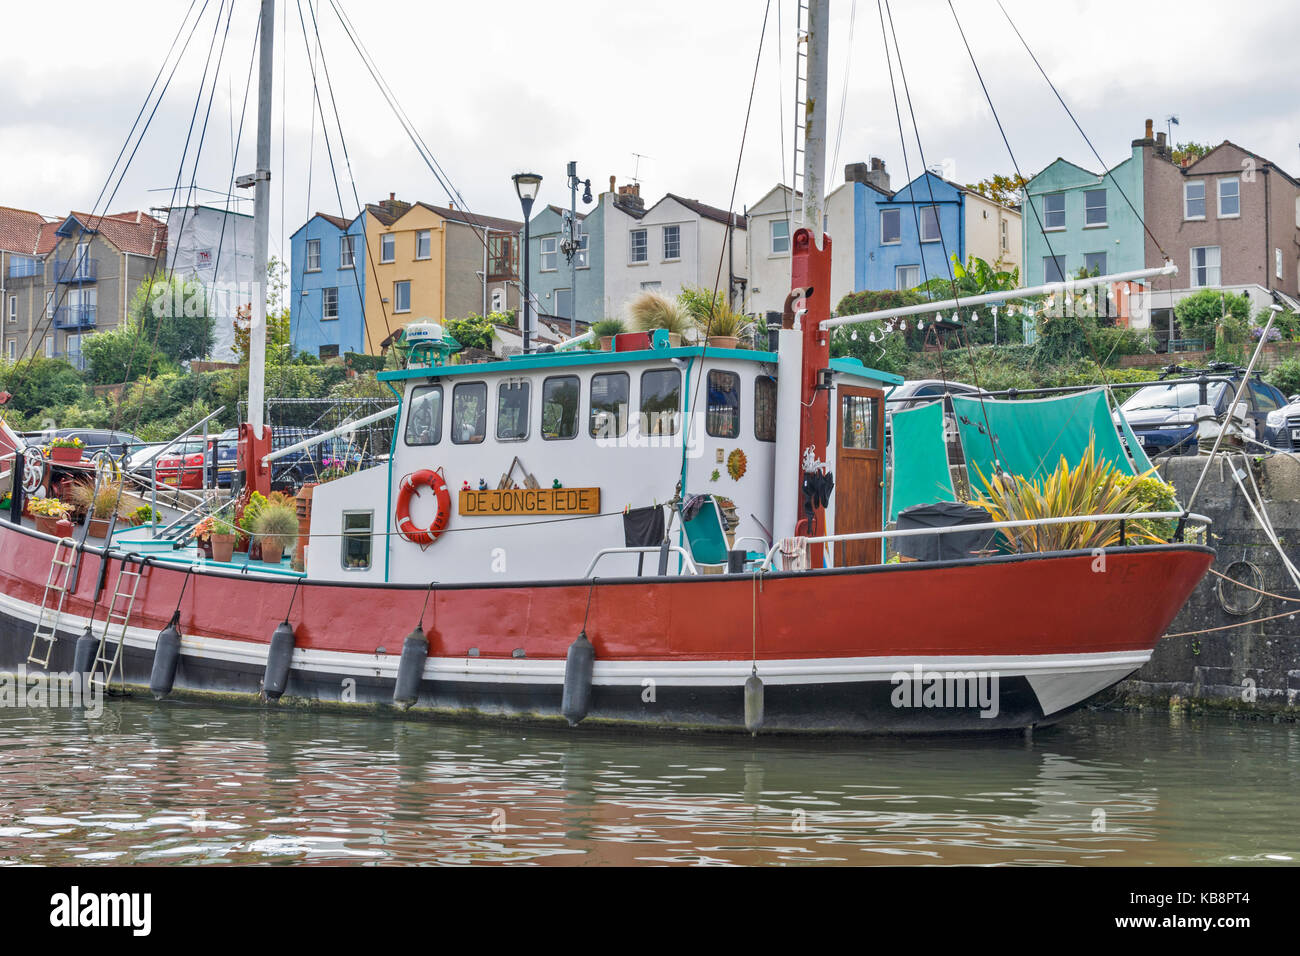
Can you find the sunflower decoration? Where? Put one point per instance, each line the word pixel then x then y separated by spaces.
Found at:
pixel 736 464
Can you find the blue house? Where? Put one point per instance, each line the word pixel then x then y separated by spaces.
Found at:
pixel 327 297
pixel 905 237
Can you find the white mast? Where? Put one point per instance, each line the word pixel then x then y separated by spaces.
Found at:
pixel 261 225
pixel 815 115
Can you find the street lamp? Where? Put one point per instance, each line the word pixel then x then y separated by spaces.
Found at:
pixel 527 186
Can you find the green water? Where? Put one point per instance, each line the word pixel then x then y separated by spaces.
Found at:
pixel 177 783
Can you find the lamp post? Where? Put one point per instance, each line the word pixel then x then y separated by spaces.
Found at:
pixel 527 186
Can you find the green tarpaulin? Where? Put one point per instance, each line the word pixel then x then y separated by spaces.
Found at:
pixel 1032 435
pixel 920 472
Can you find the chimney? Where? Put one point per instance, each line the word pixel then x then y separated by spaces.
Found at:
pixel 1150 126
pixel 611 184
pixel 392 197
pixel 1162 148
pixel 874 174
pixel 630 196
pixel 451 204
pixel 1149 138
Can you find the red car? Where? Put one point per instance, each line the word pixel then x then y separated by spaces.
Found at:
pixel 182 466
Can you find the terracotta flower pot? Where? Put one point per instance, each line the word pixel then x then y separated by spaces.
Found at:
pixel 607 343
pixel 63 528
pixel 47 524
pixel 272 552
pixel 65 455
pixel 223 547
pixel 97 527
pixel 723 341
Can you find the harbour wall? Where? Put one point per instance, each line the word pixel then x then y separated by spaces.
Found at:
pixel 1252 669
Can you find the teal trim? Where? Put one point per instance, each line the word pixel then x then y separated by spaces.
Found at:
pixel 388 510
pixel 576 359
pixel 852 366
pixel 686 434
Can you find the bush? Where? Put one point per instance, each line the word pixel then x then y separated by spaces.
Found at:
pixel 1285 376
pixel 1201 315
pixel 472 332
pixel 40 383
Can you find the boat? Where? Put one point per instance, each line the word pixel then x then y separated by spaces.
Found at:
pixel 656 537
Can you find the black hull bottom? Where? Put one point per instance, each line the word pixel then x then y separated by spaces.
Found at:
pixel 856 707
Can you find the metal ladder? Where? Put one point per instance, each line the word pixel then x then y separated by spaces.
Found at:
pixel 120 608
pixel 57 582
pixel 800 112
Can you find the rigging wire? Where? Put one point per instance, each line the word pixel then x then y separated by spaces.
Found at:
pixel 844 90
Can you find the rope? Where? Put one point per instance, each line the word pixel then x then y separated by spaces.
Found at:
pixel 292 596
pixel 427 595
pixel 1228 627
pixel 185 582
pixel 1242 584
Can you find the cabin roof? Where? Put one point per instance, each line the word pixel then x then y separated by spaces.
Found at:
pixel 579 359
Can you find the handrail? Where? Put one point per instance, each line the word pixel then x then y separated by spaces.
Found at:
pixel 185 434
pixel 986 526
pixel 679 551
pixel 324 436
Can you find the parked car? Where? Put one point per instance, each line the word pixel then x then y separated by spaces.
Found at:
pixel 100 439
pixel 1282 426
pixel 226 449
pixel 181 466
pixel 1163 414
pixel 913 394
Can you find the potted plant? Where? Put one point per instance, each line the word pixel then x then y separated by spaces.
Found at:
pixel 48 512
pixel 277 528
pixel 724 326
pixel 248 522
pixel 143 515
pixel 605 330
pixel 100 504
pixel 653 310
pixel 220 535
pixel 67 450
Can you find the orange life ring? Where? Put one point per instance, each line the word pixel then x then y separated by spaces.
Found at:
pixel 410 488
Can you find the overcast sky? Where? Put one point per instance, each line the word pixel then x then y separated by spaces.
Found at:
pixel 497 86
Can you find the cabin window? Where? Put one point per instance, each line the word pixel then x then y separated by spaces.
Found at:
pixel 858 419
pixel 358 543
pixel 765 408
pixel 660 400
pixel 723 417
pixel 610 397
pixel 512 411
pixel 469 413
pixel 424 421
pixel 560 407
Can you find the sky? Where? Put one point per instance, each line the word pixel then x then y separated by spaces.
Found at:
pixel 657 91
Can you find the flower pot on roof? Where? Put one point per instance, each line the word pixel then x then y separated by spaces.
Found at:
pixel 65 450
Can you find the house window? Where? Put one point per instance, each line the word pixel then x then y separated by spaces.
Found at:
pixel 328 351
pixel 1094 263
pixel 906 277
pixel 1229 198
pixel 49 305
pixel 722 417
pixel 13 308
pixel 498 300
pixel 1094 207
pixel 329 303
pixel 780 237
pixel 564 303
pixel 560 407
pixel 402 296
pixel 1054 211
pixel 660 399
pixel 765 408
pixel 1053 268
pixel 313 255
pixel 672 243
pixel 891 228
pixel 512 411
pixel 347 252
pixel 12 346
pixel 1003 225
pixel 357 540
pixel 1277 262
pixel 423 244
pixel 424 421
pixel 469 413
pixel 49 346
pixel 1205 266
pixel 1194 200
pixel 930 224
pixel 639 250
pixel 549 259
pixel 653 285
pixel 610 396
pixel 387 247
pixel 583 260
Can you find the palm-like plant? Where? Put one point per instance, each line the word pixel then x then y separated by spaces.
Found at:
pixel 653 310
pixel 1092 487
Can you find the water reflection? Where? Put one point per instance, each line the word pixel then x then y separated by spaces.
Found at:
pixel 177 783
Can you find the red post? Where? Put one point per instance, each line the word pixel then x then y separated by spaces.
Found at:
pixel 257 476
pixel 811 271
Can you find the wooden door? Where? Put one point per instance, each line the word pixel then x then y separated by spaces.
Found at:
pixel 858 470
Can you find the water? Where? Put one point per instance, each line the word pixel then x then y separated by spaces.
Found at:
pixel 179 783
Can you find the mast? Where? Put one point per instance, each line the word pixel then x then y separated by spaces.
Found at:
pixel 254 436
pixel 804 351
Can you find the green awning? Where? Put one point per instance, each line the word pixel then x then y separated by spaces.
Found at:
pixel 920 474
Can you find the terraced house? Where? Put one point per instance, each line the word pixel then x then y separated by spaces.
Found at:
pixel 22 279
pixel 327 287
pixel 79 279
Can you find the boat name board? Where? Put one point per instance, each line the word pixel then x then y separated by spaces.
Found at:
pixel 531 501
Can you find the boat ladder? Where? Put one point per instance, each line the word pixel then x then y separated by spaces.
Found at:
pixel 57 584
pixel 120 608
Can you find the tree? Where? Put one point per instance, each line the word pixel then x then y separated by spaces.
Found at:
pixel 173 314
pixel 122 355
pixel 40 383
pixel 278 346
pixel 1003 189
pixel 1193 151
pixel 474 331
pixel 1204 314
pixel 869 342
pixel 977 277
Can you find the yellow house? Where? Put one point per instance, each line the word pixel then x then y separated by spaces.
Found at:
pixel 405 267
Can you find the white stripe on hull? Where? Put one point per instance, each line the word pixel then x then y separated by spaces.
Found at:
pixel 1059 680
